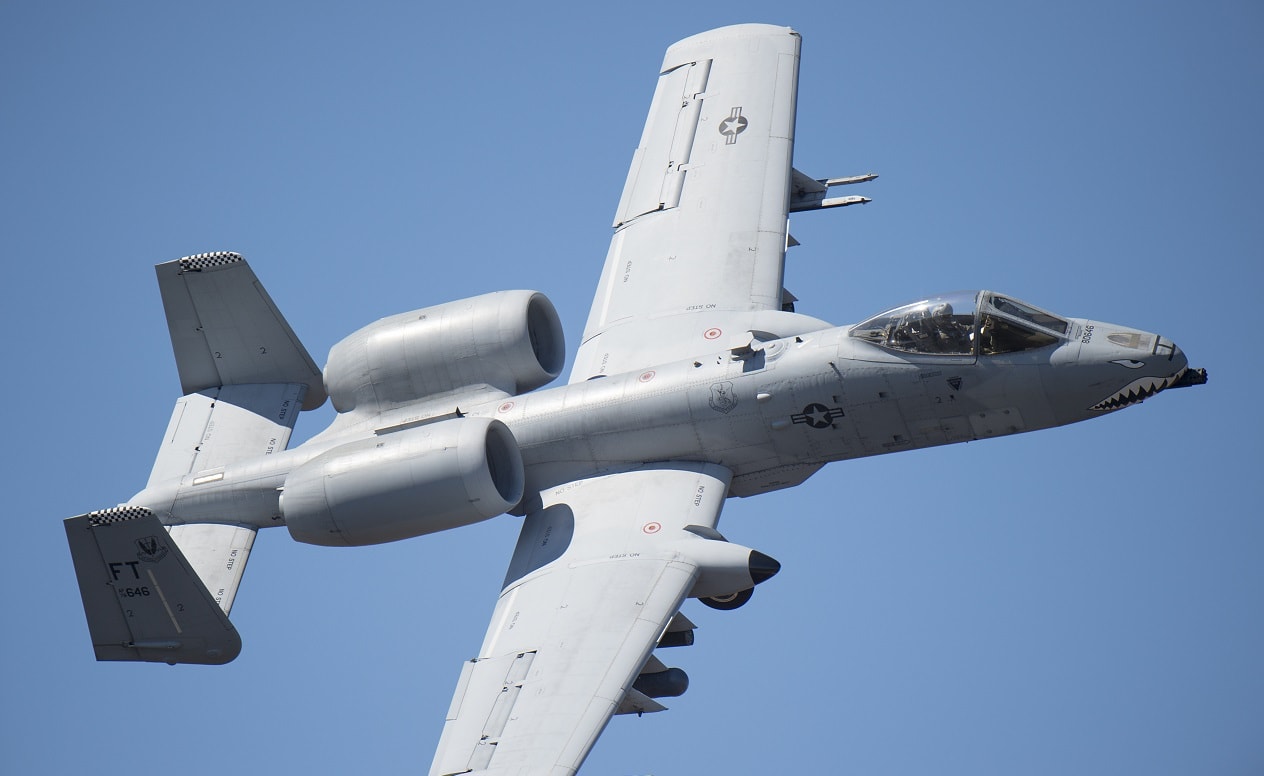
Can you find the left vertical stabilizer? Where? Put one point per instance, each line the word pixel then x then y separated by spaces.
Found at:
pixel 142 599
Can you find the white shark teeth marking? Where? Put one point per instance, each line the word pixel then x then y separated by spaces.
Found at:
pixel 1136 392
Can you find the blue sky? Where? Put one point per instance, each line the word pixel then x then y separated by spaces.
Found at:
pixel 1084 600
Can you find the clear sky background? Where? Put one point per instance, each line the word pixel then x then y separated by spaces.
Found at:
pixel 1085 600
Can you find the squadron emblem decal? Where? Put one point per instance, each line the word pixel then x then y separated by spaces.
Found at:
pixel 150 550
pixel 818 415
pixel 722 398
pixel 733 126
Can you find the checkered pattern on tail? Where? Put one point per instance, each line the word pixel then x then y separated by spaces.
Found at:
pixel 203 261
pixel 116 515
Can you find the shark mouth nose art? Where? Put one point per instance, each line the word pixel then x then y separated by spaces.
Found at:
pixel 1138 391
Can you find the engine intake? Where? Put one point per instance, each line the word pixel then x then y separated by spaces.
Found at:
pixel 406 483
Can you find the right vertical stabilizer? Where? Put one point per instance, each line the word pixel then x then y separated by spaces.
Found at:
pixel 225 329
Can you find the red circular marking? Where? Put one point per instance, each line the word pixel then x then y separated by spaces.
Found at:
pixel 647 376
pixel 712 333
pixel 652 528
pixel 506 406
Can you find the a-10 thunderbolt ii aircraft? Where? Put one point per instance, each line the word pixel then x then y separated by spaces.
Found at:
pixel 695 381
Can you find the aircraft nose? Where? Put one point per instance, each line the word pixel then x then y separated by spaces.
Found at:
pixel 1151 363
pixel 1115 367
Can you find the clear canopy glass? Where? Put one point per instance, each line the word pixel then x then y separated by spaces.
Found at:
pixel 964 323
pixel 1027 313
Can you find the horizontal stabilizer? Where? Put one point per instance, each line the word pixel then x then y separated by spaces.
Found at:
pixel 217 552
pixel 142 599
pixel 220 426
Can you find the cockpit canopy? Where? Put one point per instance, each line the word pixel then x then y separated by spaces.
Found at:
pixel 964 323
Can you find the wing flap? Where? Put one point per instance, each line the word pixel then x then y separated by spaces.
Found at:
pixel 660 161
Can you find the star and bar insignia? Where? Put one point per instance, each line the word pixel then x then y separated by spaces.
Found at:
pixel 818 415
pixel 733 126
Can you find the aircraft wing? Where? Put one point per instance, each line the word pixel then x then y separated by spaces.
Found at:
pixel 603 564
pixel 601 567
pixel 697 256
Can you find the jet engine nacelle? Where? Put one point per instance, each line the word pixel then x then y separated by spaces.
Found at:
pixel 405 483
pixel 510 340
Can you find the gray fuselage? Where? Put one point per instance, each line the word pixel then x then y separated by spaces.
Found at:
pixel 773 414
